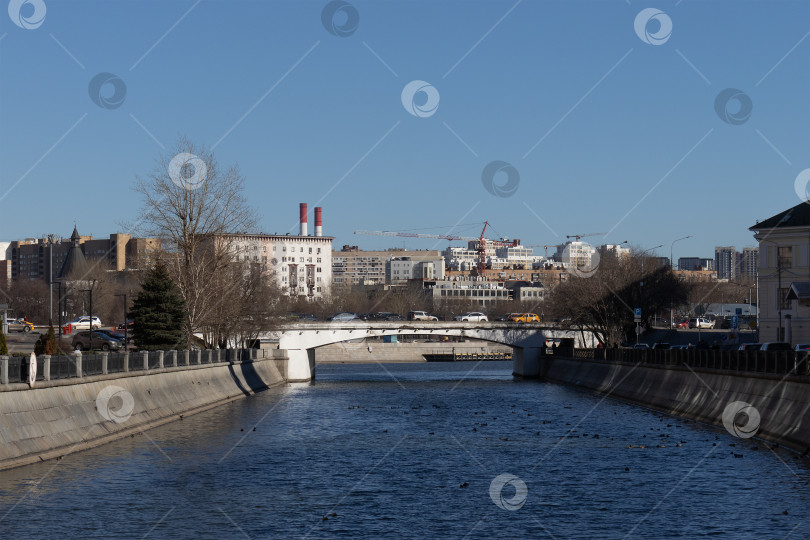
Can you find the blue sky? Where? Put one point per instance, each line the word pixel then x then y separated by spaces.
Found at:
pixel 629 138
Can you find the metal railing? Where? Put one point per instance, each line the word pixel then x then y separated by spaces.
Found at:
pixel 776 362
pixel 15 369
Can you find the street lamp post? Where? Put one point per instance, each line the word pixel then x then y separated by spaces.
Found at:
pixel 672 267
pixel 50 279
pixel 90 346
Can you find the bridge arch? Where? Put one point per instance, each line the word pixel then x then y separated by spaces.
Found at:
pixel 301 340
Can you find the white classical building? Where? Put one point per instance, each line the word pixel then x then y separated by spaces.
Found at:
pixel 784 275
pixel 300 265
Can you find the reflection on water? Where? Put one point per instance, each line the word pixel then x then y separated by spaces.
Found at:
pixel 416 450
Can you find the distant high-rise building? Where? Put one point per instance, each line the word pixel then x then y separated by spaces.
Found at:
pixel 725 260
pixel 749 261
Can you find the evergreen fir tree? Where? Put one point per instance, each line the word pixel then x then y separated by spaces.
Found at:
pixel 51 346
pixel 158 312
pixel 3 348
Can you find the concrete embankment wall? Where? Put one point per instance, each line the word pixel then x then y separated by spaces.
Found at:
pixel 359 353
pixel 60 417
pixel 783 402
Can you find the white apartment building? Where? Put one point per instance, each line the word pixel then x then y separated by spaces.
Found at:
pixel 402 269
pixel 300 265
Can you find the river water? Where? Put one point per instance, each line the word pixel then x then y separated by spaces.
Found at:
pixel 441 450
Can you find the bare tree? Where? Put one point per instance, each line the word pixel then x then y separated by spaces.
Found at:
pixel 603 303
pixel 193 205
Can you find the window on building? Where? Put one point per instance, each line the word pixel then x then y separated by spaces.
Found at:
pixel 310 251
pixel 785 254
pixel 784 303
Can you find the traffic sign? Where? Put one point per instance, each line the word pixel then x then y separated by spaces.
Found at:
pixel 637 314
pixel 734 322
pixel 3 307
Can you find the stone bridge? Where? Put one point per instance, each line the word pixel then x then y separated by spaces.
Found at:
pixel 300 340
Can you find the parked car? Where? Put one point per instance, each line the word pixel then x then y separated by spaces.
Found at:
pixel 116 335
pixel 802 347
pixel 661 346
pixel 421 316
pixel 309 317
pixel 388 316
pixel 83 323
pixel 129 325
pixel 343 317
pixel 641 346
pixel 507 317
pixel 81 341
pixel 472 316
pixel 700 322
pixel 679 347
pixel 776 346
pixel 525 317
pixel 19 325
pixel 750 347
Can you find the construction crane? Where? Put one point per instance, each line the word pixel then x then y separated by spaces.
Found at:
pixel 482 242
pixel 578 236
pixel 554 246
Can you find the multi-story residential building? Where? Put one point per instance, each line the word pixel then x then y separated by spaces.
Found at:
pixel 575 254
pixel 300 265
pixel 749 262
pixel 725 258
pixel 43 258
pixel 403 269
pixel 353 266
pixel 784 275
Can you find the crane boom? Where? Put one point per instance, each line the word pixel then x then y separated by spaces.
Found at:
pixel 482 241
pixel 415 235
pixel 578 236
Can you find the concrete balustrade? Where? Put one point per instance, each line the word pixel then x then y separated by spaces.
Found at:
pixel 46 367
pixel 77 359
pixel 104 366
pixel 4 369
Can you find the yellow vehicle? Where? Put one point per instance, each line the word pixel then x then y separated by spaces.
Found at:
pixel 19 325
pixel 525 317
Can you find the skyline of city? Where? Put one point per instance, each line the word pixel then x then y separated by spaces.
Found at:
pixel 591 123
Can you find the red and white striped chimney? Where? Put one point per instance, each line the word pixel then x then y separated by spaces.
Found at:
pixel 303 218
pixel 318 221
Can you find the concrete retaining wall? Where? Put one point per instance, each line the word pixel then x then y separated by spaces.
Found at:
pixel 60 417
pixel 783 402
pixel 358 353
